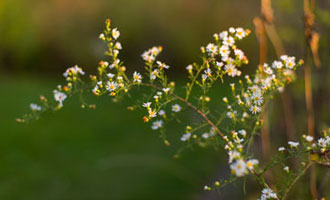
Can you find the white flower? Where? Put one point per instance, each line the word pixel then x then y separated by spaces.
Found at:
pixel 233 155
pixel 207 188
pixel 224 51
pixel 268 70
pixel 73 71
pixel 284 57
pixel 232 70
pixel 59 96
pixel 208 72
pixel 176 108
pixel 277 64
pixel 286 168
pixel 189 67
pixel 238 168
pixel 205 135
pixel 290 62
pixel 35 107
pixel 146 105
pixel 240 33
pixel 161 112
pixel 257 98
pixel 211 49
pixel 255 109
pixel 154 74
pixel 101 36
pixel 251 163
pixel 219 64
pixel 231 30
pixel 239 53
pixel 309 138
pixel 115 33
pixel 137 77
pixel 166 90
pixel 110 75
pixel 293 144
pixel 111 86
pixel 245 115
pixel 152 113
pixel 223 34
pixel 255 89
pixel 162 65
pixel 151 54
pixel 157 124
pixel 228 41
pixel 281 149
pixel 118 45
pixel 231 114
pixel 185 137
pixel 242 132
pixel 268 193
pixel 322 142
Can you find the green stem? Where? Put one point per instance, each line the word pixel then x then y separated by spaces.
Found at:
pixel 302 172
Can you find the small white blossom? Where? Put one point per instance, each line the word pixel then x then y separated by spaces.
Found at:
pixel 211 49
pixel 240 33
pixel 224 51
pixel 228 41
pixel 322 142
pixel 281 149
pixel 118 45
pixel 115 33
pixel 255 109
pixel 166 90
pixel 231 114
pixel 223 34
pixel 137 77
pixel 146 105
pixel 157 124
pixel 277 64
pixel 162 65
pixel 102 36
pixel 233 155
pixel 152 113
pixel 35 107
pixel 73 71
pixel 267 193
pixel 238 168
pixel 205 135
pixel 154 74
pixel 185 137
pixel 293 144
pixel 161 112
pixel 251 163
pixel 111 86
pixel 189 67
pixel 110 75
pixel 309 138
pixel 176 108
pixel 242 132
pixel 59 96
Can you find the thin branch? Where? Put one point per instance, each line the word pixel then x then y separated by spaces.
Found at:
pixel 302 172
pixel 191 106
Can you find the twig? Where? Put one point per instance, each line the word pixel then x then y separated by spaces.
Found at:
pixel 302 172
pixel 191 106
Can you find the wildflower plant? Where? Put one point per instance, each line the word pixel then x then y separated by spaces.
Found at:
pixel 233 129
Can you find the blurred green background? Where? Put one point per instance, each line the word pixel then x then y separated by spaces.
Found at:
pixel 108 153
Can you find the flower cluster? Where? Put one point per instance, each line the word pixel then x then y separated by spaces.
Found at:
pixel 268 193
pixel 233 129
